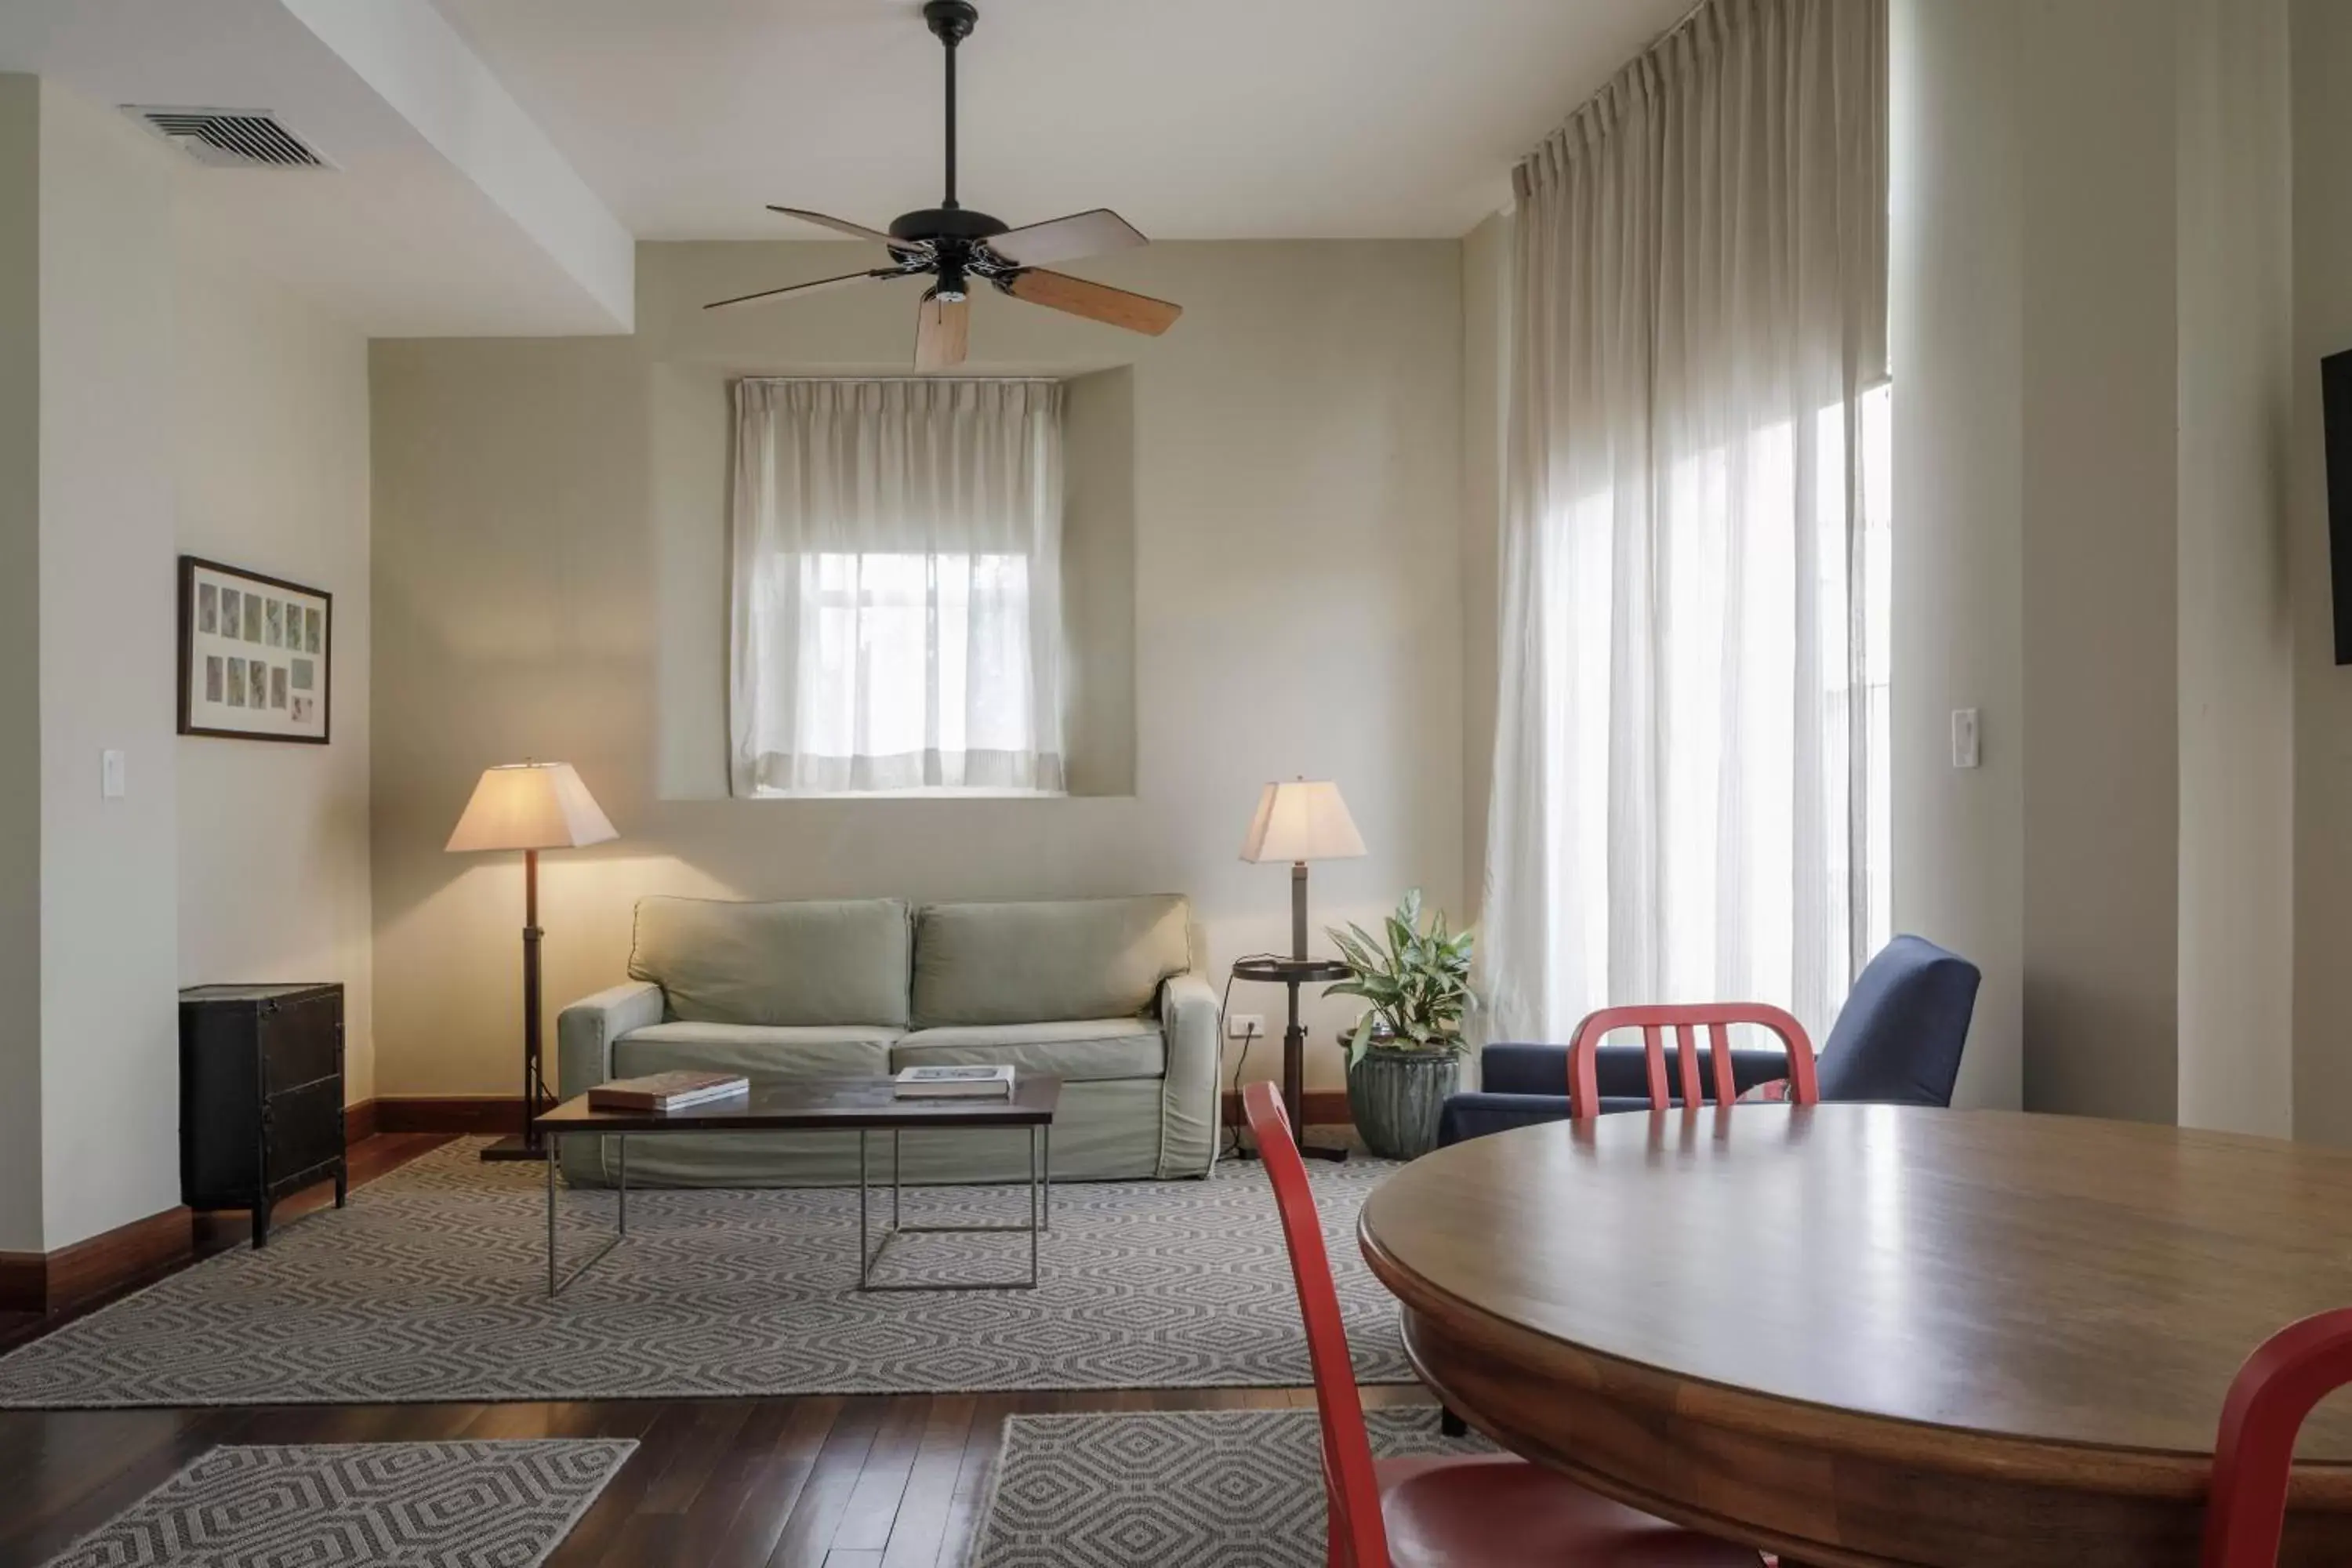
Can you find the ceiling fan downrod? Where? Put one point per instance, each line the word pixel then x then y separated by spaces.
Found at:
pixel 951 22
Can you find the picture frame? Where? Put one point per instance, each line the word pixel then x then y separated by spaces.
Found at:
pixel 257 656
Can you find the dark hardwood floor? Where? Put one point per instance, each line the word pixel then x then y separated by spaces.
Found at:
pixel 862 1481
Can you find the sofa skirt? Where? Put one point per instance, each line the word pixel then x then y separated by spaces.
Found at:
pixel 1102 1131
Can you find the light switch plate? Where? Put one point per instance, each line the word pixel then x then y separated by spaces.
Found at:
pixel 112 782
pixel 1965 750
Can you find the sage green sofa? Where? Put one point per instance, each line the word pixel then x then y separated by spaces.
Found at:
pixel 1103 994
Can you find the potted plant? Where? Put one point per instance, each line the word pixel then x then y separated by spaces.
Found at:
pixel 1404 1055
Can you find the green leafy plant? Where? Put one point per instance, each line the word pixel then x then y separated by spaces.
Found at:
pixel 1416 977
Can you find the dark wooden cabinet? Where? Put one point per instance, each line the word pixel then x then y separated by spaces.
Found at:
pixel 261 1096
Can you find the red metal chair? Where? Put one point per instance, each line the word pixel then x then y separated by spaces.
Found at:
pixel 2288 1373
pixel 1685 1018
pixel 1462 1510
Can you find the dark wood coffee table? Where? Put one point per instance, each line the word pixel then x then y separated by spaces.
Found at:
pixel 866 1106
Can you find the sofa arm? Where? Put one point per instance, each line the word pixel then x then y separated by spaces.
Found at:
pixel 584 1033
pixel 1188 1094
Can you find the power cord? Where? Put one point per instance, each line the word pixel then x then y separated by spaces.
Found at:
pixel 1233 1134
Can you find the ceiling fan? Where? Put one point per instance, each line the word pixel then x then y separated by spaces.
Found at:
pixel 957 245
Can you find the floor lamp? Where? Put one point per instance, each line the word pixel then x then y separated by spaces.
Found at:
pixel 530 806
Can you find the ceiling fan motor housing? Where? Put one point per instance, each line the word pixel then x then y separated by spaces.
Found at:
pixel 946 224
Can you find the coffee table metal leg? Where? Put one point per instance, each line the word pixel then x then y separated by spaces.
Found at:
pixel 1048 1130
pixel 1040 1216
pixel 555 1284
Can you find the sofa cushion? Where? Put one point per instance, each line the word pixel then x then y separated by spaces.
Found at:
pixel 1072 959
pixel 787 965
pixel 763 1053
pixel 1086 1050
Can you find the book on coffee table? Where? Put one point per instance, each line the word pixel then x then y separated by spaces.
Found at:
pixel 667 1091
pixel 953 1083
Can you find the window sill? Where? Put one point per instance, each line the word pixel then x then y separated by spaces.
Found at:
pixel 925 794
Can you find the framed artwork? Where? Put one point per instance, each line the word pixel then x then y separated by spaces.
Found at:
pixel 256 655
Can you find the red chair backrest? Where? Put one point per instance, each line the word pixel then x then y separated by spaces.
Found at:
pixel 1350 1488
pixel 1716 1018
pixel 2288 1373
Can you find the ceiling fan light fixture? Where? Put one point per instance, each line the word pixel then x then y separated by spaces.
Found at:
pixel 956 245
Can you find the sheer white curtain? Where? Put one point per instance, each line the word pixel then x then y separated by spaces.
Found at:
pixel 1689 715
pixel 896 586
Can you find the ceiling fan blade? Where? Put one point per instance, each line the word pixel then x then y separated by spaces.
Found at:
pixel 1096 302
pixel 843 226
pixel 942 332
pixel 1067 238
pixel 820 284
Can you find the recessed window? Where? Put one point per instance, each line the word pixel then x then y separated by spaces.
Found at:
pixel 897 588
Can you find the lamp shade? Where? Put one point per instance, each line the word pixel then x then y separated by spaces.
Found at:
pixel 1302 819
pixel 530 805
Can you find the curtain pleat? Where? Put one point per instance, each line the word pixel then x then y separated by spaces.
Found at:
pixel 896 586
pixel 1686 723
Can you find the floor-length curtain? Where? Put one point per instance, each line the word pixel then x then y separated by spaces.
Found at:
pixel 1685 724
pixel 897 584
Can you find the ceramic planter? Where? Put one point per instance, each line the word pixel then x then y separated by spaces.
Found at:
pixel 1395 1095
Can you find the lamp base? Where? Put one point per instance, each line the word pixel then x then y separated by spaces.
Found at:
pixel 514 1146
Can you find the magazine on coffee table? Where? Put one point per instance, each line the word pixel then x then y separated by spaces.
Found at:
pixel 953 1083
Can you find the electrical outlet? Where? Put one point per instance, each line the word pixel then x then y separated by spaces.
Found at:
pixel 1245 1026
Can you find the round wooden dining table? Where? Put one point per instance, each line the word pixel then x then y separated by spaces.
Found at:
pixel 1875 1334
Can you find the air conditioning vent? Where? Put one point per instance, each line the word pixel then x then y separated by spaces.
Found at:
pixel 228 138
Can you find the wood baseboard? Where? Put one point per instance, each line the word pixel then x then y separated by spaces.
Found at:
pixel 359 1123
pixel 1323 1107
pixel 54 1282
pixel 463 1115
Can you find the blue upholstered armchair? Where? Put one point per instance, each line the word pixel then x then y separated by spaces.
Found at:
pixel 1898 1042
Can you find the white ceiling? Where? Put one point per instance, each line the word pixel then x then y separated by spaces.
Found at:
pixel 1196 119
pixel 432 220
pixel 493 158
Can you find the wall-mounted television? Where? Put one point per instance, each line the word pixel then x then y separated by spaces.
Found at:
pixel 2335 399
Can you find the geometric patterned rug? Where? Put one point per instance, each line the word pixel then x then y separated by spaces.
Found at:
pixel 447 1505
pixel 432 1286
pixel 1232 1488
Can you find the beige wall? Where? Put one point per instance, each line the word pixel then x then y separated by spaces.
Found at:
pixel 2236 663
pixel 2101 731
pixel 545 525
pixel 152 399
pixel 2323 693
pixel 109 1020
pixel 20 659
pixel 271 422
pixel 1957 344
pixel 2089 276
pixel 1486 398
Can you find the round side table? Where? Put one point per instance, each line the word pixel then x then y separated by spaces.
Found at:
pixel 1292 974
